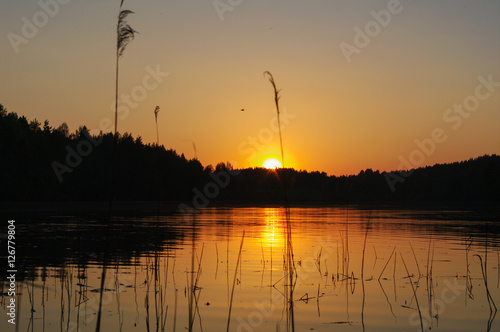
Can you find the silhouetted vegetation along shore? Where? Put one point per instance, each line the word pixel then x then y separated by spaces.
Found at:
pixel 42 163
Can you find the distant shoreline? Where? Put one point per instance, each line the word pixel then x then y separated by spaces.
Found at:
pixel 171 207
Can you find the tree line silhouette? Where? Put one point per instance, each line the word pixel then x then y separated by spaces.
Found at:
pixel 44 163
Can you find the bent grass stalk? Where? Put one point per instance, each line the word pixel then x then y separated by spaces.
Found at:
pixel 484 273
pixel 416 261
pixel 491 303
pixel 414 292
pixel 385 266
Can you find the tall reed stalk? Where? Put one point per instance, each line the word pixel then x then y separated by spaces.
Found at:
pixel 156 111
pixel 289 262
pixel 157 239
pixel 124 35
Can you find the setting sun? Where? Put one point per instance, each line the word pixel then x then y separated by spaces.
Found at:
pixel 272 163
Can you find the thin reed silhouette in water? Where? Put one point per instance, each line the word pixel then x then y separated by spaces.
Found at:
pixel 385 266
pixel 234 282
pixel 416 260
pixel 414 292
pixel 363 277
pixel 491 303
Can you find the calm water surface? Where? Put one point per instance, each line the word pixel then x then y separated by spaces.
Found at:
pixel 353 270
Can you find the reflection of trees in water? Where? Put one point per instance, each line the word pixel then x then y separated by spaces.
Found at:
pixel 81 241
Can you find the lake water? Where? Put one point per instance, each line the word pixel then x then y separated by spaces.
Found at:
pixel 352 269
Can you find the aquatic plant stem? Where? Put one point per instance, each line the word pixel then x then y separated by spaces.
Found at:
pixel 388 261
pixel 363 278
pixel 414 293
pixel 234 282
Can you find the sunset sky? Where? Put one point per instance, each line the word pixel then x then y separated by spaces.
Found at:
pixel 361 81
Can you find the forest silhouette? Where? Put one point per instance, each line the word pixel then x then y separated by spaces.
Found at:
pixel 43 163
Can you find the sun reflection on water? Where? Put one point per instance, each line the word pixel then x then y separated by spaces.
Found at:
pixel 272 230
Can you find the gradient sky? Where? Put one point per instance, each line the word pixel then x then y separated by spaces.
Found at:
pixel 348 116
